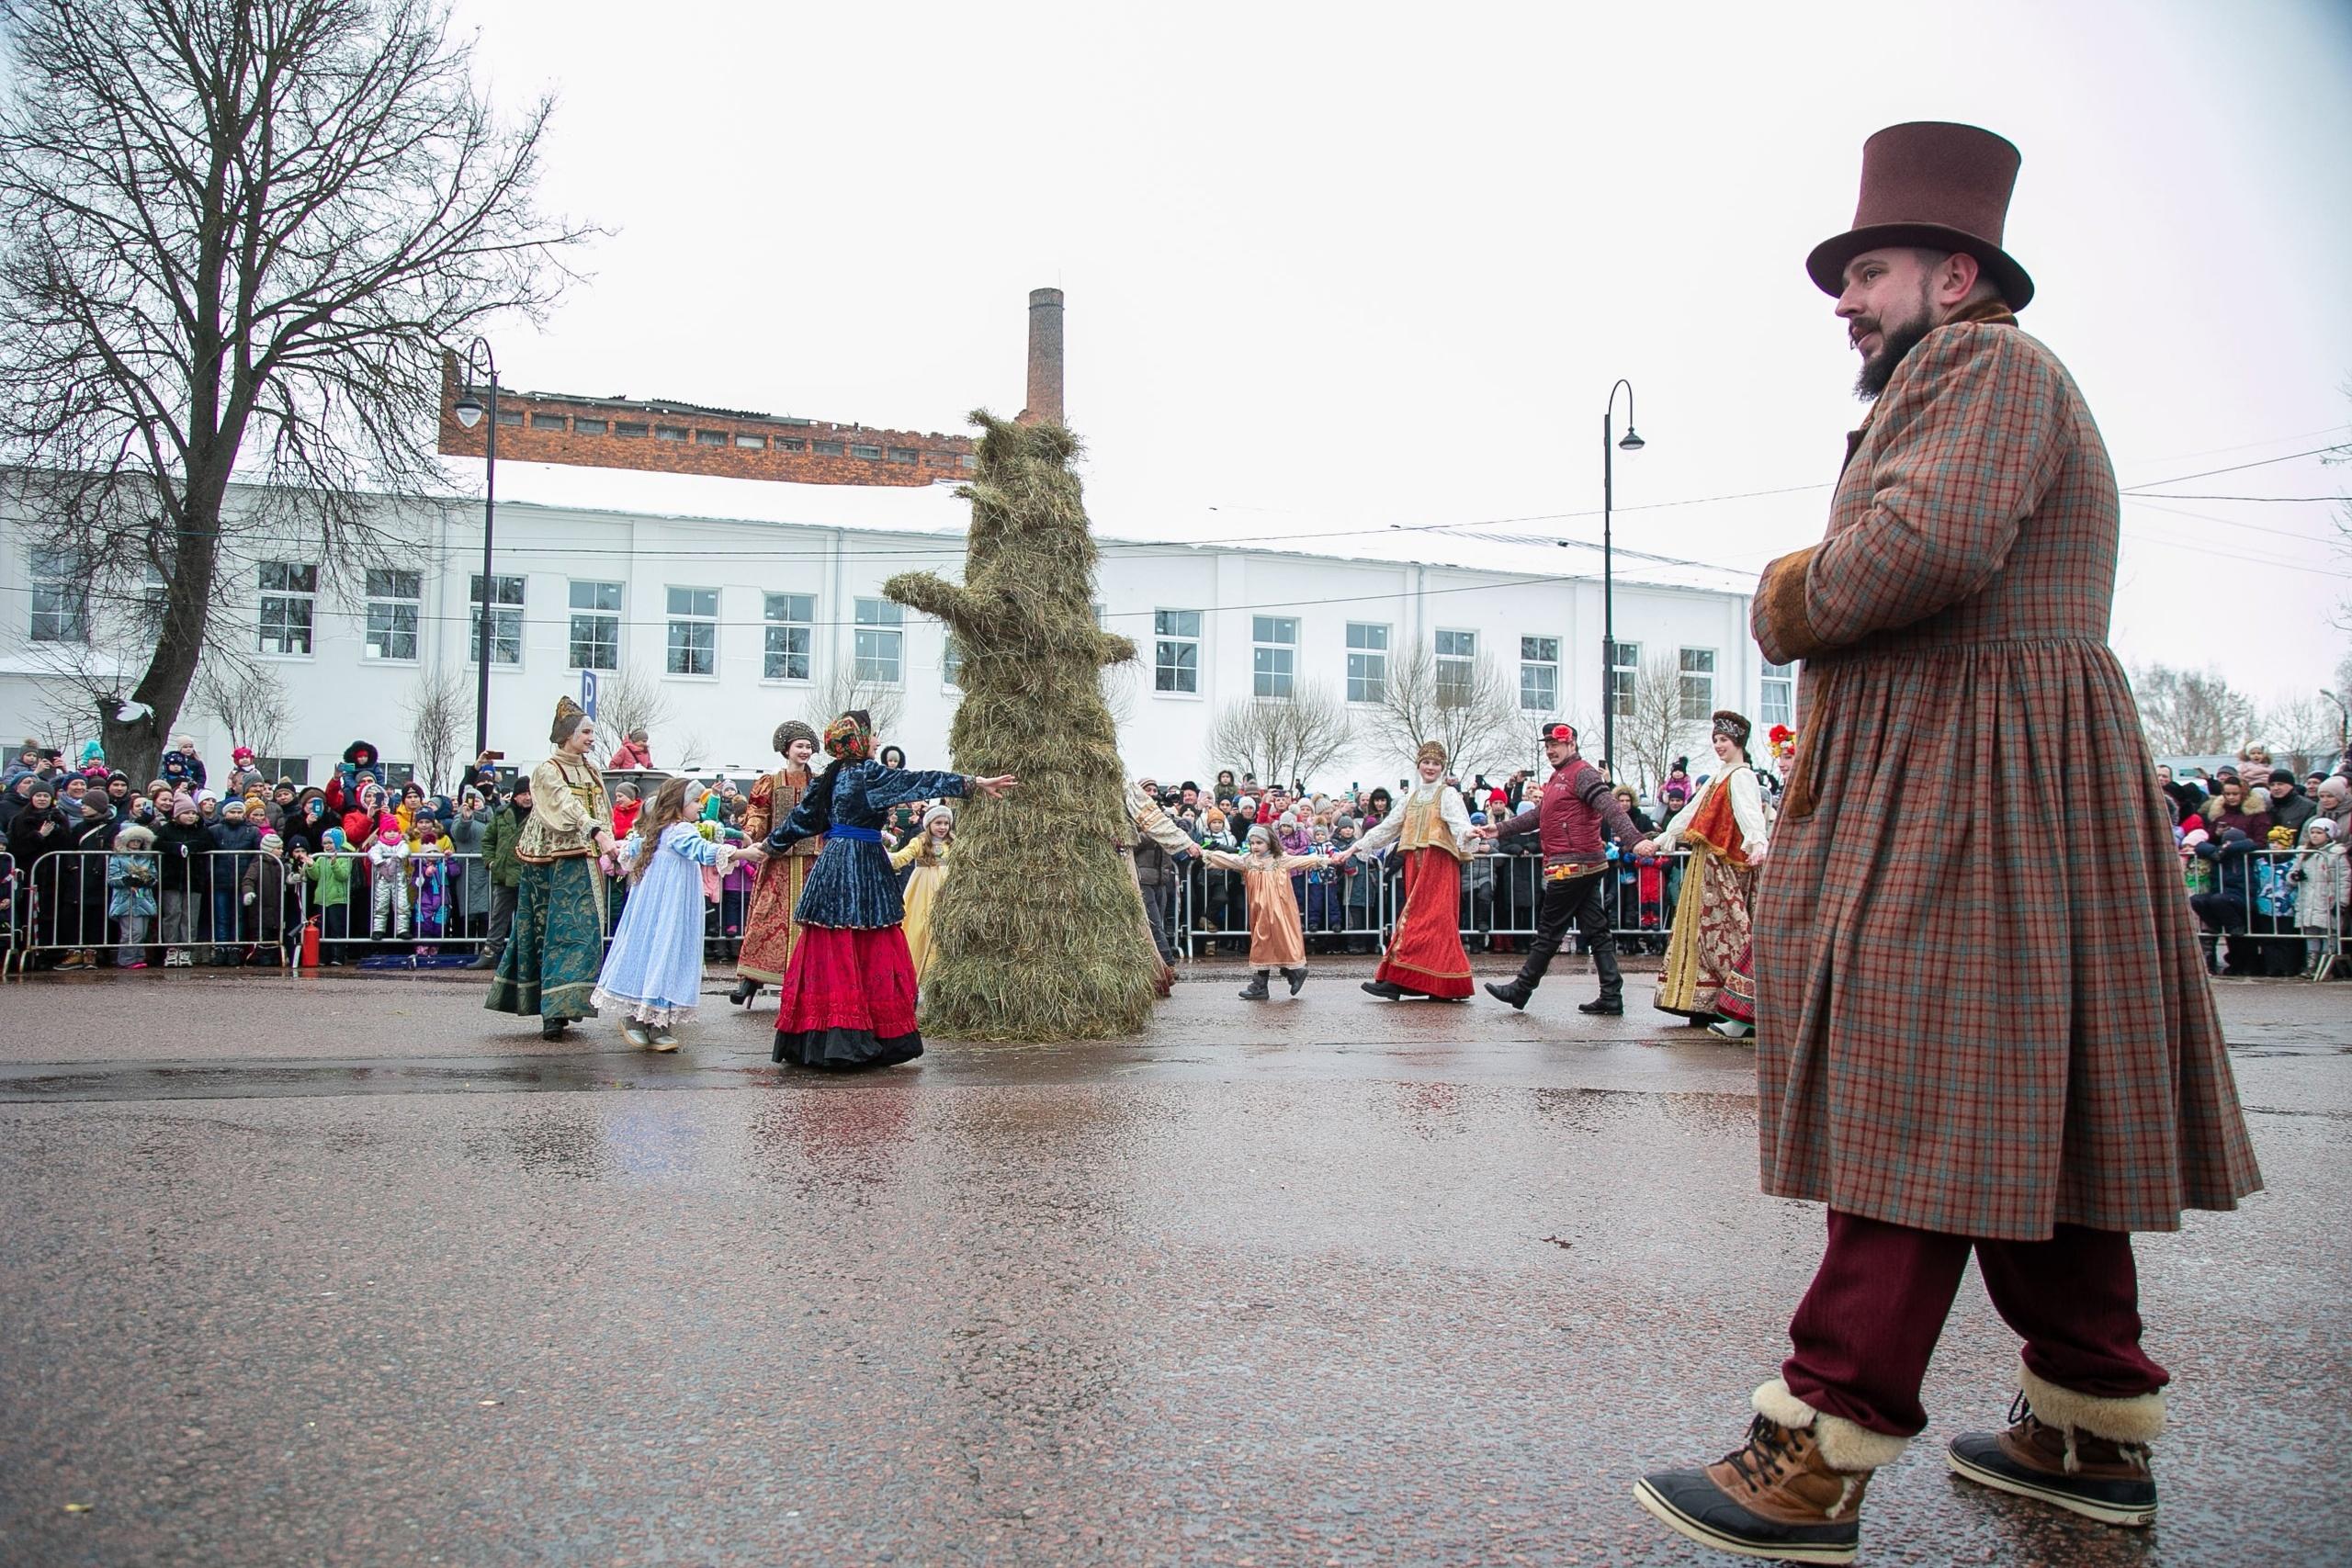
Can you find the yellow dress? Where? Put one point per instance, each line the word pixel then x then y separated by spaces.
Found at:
pixel 922 892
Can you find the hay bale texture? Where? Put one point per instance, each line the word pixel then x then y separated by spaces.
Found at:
pixel 1038 932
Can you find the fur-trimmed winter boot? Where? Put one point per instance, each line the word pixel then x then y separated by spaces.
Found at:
pixel 2073 1450
pixel 1793 1492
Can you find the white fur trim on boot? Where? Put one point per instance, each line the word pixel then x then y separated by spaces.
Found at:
pixel 2140 1419
pixel 1844 1444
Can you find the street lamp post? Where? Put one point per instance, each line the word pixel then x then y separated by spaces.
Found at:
pixel 1609 446
pixel 469 411
pixel 2342 720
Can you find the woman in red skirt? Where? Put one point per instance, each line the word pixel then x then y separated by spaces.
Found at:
pixel 1431 827
pixel 849 989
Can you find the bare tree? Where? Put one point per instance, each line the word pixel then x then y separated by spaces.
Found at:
pixel 440 715
pixel 1654 727
pixel 1285 739
pixel 844 689
pixel 628 698
pixel 246 698
pixel 237 235
pixel 2303 732
pixel 1473 712
pixel 2191 713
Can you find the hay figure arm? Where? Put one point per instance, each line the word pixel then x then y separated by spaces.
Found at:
pixel 1112 648
pixel 962 608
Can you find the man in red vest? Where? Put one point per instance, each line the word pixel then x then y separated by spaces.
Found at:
pixel 1577 804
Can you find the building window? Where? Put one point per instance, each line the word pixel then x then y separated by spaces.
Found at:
pixel 393 604
pixel 1624 671
pixel 1176 653
pixel 711 438
pixel 295 771
pixel 633 429
pixel 506 620
pixel 791 632
pixel 1698 672
pixel 1539 674
pixel 510 417
pixel 547 422
pixel 694 631
pixel 589 427
pixel 752 443
pixel 1457 660
pixel 1367 662
pixel 290 592
pixel 880 640
pixel 951 664
pixel 596 625
pixel 61 593
pixel 829 448
pixel 669 433
pixel 968 460
pixel 1273 655
pixel 904 455
pixel 871 454
pixel 1780 695
pixel 790 443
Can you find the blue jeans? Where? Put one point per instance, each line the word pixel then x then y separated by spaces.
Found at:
pixel 225 909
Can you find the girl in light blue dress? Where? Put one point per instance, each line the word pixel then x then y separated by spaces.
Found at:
pixel 653 974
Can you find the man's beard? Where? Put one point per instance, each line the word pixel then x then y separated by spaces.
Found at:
pixel 1894 342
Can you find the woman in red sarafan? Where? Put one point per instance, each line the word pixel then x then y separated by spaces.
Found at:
pixel 1431 827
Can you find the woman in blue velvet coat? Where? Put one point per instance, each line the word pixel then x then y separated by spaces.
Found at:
pixel 849 992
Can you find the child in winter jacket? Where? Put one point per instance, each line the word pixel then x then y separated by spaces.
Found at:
pixel 263 891
pixel 132 879
pixel 2323 882
pixel 388 874
pixel 428 876
pixel 329 873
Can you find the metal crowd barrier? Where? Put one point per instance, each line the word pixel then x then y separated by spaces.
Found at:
pixel 2246 910
pixel 1501 895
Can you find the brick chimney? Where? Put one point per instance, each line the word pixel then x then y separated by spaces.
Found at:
pixel 1045 357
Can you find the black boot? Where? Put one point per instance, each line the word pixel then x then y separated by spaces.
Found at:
pixel 743 992
pixel 553 1028
pixel 1255 990
pixel 1297 978
pixel 1387 990
pixel 1515 992
pixel 1604 1006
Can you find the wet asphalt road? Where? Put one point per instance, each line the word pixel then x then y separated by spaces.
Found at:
pixel 350 1272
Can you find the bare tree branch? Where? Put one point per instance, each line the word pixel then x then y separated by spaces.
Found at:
pixel 1476 718
pixel 844 689
pixel 1283 739
pixel 1655 729
pixel 440 719
pixel 237 235
pixel 246 698
pixel 628 698
pixel 2191 713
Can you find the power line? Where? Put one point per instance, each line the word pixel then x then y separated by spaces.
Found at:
pixel 2234 468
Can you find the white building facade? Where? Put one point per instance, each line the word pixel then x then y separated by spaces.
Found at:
pixel 730 605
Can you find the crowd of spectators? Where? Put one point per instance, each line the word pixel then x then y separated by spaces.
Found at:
pixel 190 869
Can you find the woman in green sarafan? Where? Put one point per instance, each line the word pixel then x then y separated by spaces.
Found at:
pixel 558 943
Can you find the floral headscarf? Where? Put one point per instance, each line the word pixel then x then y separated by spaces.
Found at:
pixel 850 738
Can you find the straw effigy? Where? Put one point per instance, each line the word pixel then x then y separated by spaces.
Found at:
pixel 1038 935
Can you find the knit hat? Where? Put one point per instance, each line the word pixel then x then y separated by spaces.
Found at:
pixel 2320 827
pixel 333 839
pixel 183 801
pixel 233 808
pixel 271 843
pixel 937 812
pixel 387 823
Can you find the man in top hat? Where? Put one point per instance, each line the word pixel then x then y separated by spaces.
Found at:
pixel 1577 805
pixel 2067 1086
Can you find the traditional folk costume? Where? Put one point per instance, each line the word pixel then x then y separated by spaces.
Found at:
pixel 1431 827
pixel 1948 1068
pixel 1276 940
pixel 1577 805
pixel 556 942
pixel 1723 828
pixel 653 974
pixel 769 929
pixel 848 996
pixel 927 857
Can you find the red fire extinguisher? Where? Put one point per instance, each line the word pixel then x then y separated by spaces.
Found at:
pixel 310 945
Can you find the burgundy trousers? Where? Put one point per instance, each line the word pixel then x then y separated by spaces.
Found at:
pixel 1867 1325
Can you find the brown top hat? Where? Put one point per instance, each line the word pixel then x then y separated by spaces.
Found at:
pixel 1931 182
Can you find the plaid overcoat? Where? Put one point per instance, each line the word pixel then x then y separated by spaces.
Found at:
pixel 1957 1030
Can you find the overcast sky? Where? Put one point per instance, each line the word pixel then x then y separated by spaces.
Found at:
pixel 1332 266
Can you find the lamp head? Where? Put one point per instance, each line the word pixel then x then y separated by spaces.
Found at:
pixel 1629 442
pixel 469 411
